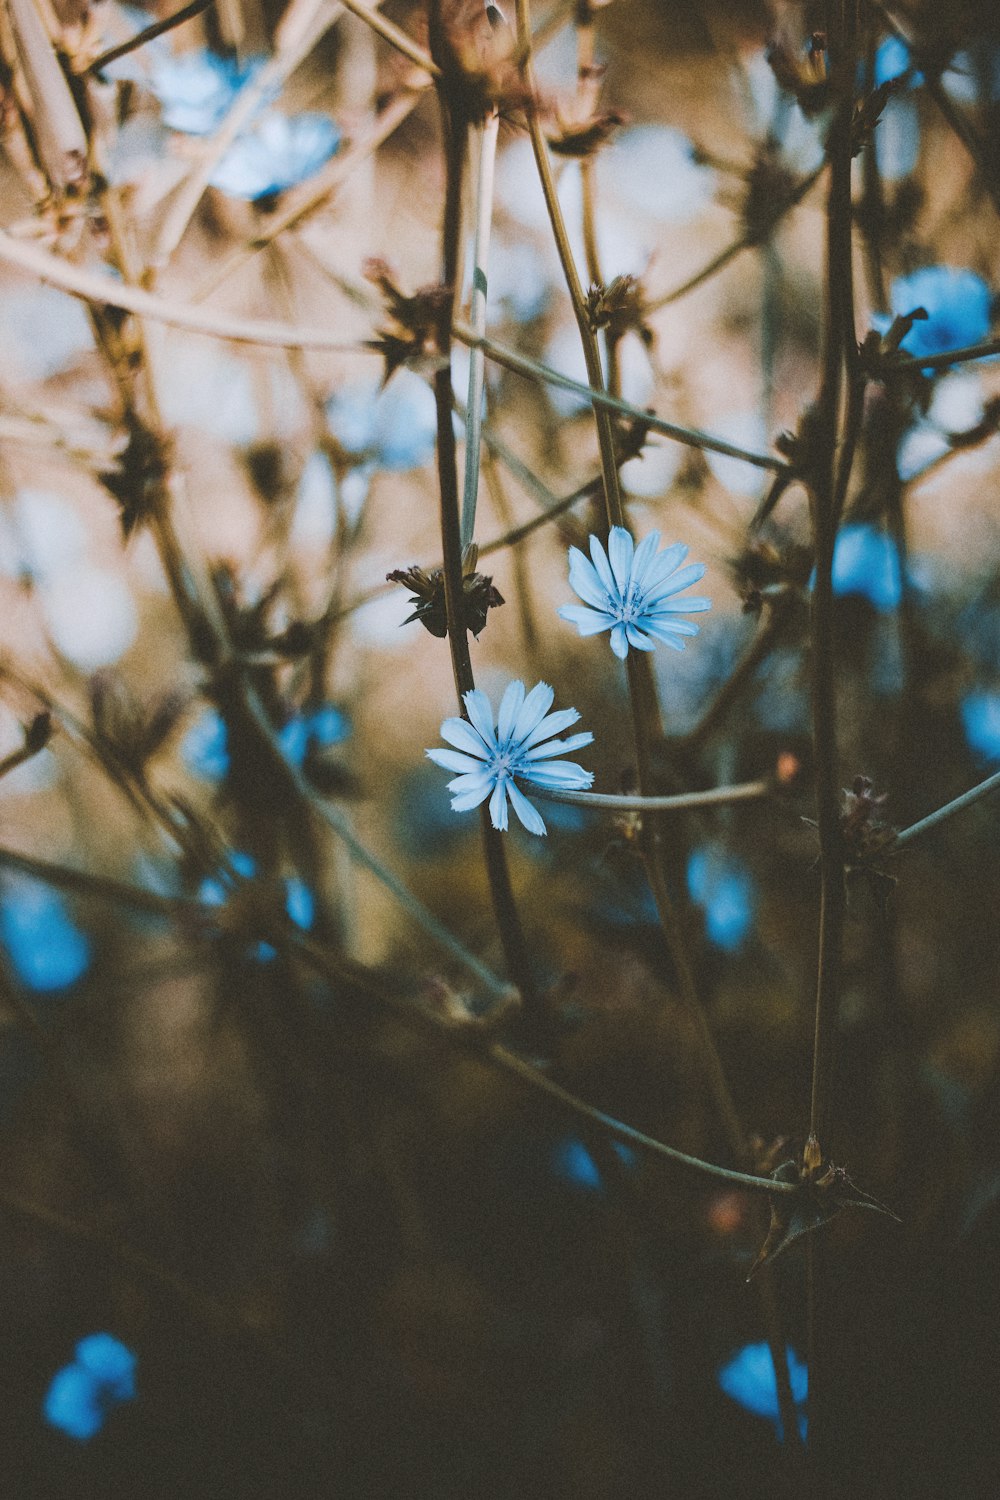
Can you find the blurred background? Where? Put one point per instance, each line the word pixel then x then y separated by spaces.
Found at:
pixel 259 1234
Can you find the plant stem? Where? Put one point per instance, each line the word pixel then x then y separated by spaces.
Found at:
pixel 932 820
pixel 508 920
pixel 747 791
pixel 147 34
pixel 477 359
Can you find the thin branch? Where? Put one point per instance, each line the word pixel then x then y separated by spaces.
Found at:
pixel 746 791
pixel 958 804
pixel 148 34
pixel 394 35
pixel 903 360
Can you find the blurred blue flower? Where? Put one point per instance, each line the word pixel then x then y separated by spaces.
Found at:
pixel 300 903
pixel 46 948
pixel 748 1379
pixel 196 89
pixel 81 1394
pixel 630 591
pixel 573 1164
pixel 957 303
pixel 892 60
pixel 721 885
pixel 488 758
pixel 866 562
pixel 277 153
pixel 393 426
pixel 205 748
pixel 320 729
pixel 981 722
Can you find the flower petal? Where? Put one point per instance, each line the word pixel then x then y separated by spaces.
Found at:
pixel 587 621
pixel 480 711
pixel 644 554
pixel 510 705
pixel 528 815
pixel 451 760
pixel 560 747
pixel 682 579
pixel 621 550
pixel 498 805
pixel 532 712
pixel 663 630
pixel 691 606
pixel 663 564
pixel 585 580
pixel 561 775
pixel 550 725
pixel 619 641
pixel 460 733
pixel 472 781
pixel 638 640
pixel 603 568
pixel 465 801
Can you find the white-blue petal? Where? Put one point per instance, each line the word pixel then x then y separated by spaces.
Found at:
pixel 527 814
pixel 603 568
pixel 563 775
pixel 467 800
pixel 638 640
pixel 460 733
pixel 585 580
pixel 682 579
pixel 644 554
pixel 472 781
pixel 550 725
pixel 510 705
pixel 667 626
pixel 498 805
pixel 532 712
pixel 663 564
pixel 480 711
pixel 560 747
pixel 587 621
pixel 453 760
pixel 621 550
pixel 669 606
pixel 619 642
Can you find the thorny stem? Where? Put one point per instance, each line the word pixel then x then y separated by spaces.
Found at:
pixel 455 132
pixel 477 316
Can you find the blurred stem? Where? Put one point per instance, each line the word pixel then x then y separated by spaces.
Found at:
pixel 932 820
pixel 759 649
pixel 455 130
pixel 718 796
pixel 477 318
pixel 148 34
pixel 518 560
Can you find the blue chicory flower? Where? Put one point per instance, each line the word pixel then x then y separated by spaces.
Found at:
pixel 81 1394
pixel 748 1379
pixel 521 745
pixel 957 303
pixel 197 89
pixel 46 948
pixel 573 1163
pixel 630 591
pixel 981 722
pixel 277 153
pixel 866 562
pixel 722 887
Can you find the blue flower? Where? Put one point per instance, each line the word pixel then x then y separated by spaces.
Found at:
pixel 722 887
pixel 521 745
pixel 280 151
pixel 630 591
pixel 196 89
pixel 957 304
pixel 319 730
pixel 981 722
pixel 46 948
pixel 81 1394
pixel 748 1378
pixel 573 1164
pixel 205 747
pixel 866 562
pixel 393 426
pixel 892 60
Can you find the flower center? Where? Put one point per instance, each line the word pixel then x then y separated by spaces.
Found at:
pixel 630 608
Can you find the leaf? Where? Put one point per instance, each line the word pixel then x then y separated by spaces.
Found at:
pixel 819 1199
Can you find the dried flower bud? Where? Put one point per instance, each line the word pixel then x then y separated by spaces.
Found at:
pixel 139 479
pixel 803 73
pixel 412 334
pixel 479 595
pixel 863 830
pixel 618 307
